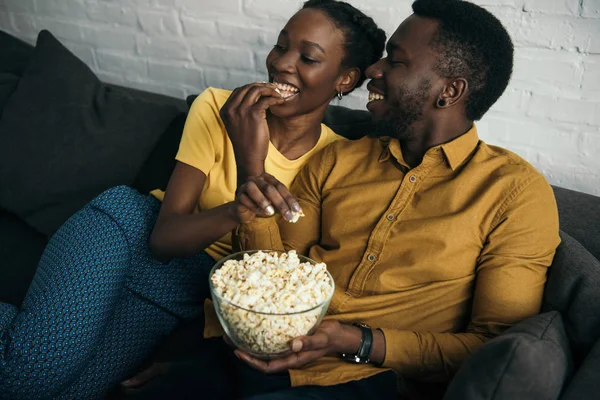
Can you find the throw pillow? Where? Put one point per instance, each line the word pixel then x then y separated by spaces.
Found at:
pixel 531 360
pixel 66 137
pixel 15 54
pixel 8 84
pixel 573 288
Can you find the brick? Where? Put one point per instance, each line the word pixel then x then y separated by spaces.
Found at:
pixel 109 39
pixel 591 78
pixel 23 23
pixel 214 77
pixel 5 21
pixel 176 73
pixel 24 6
pixel 278 10
pixel 163 48
pixel 112 13
pixel 590 9
pixel 235 33
pixel 547 31
pixel 260 61
pixel 568 7
pixel 61 8
pixel 83 52
pixel 532 72
pixel 511 3
pixel 60 29
pixel 511 102
pixel 589 145
pixel 128 66
pixel 239 78
pixel 587 36
pixel 565 110
pixel 201 8
pixel 222 56
pixel 159 23
pixel 193 27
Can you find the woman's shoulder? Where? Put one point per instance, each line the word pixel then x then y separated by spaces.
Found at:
pixel 211 97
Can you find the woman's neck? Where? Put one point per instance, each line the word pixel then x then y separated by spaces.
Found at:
pixel 294 137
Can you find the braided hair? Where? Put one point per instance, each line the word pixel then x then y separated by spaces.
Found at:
pixel 364 40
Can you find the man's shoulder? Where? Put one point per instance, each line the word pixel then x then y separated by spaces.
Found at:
pixel 345 148
pixel 509 162
pixel 508 171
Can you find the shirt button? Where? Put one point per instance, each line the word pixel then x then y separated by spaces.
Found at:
pixel 412 178
pixel 371 257
pixel 390 217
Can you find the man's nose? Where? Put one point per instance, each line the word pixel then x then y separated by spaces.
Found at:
pixel 375 71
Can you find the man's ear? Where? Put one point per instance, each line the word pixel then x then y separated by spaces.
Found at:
pixel 452 93
pixel 348 80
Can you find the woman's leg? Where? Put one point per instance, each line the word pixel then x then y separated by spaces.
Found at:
pixel 99 303
pixel 156 298
pixel 72 299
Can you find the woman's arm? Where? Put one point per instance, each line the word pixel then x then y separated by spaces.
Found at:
pixel 179 231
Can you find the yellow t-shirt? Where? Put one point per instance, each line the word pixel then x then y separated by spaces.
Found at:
pixel 205 145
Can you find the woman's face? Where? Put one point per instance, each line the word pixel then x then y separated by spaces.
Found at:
pixel 306 62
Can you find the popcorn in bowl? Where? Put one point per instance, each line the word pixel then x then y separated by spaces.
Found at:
pixel 264 299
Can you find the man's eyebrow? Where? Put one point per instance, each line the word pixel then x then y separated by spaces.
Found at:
pixel 391 47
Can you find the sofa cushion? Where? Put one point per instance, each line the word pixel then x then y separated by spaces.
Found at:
pixel 573 288
pixel 579 217
pixel 531 360
pixel 15 54
pixel 585 384
pixel 8 84
pixel 66 137
pixel 21 247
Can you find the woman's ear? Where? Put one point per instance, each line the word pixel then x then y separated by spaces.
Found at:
pixel 348 80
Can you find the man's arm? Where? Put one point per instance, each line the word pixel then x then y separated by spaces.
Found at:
pixel 276 233
pixel 511 273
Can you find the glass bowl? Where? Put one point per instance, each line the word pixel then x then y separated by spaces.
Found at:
pixel 264 335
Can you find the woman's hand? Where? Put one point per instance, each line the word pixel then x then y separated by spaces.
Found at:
pixel 245 118
pixel 306 349
pixel 263 196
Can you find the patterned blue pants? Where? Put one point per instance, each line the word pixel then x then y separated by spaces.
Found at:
pixel 98 305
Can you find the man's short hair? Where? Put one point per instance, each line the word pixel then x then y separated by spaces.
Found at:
pixel 472 44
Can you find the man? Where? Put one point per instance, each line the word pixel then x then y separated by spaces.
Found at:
pixel 436 241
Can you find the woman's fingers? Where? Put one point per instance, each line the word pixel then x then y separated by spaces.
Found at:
pixel 257 91
pixel 284 192
pixel 266 102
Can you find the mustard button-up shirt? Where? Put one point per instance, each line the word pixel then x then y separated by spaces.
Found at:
pixel 441 257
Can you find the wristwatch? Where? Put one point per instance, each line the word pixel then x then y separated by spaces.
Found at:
pixel 363 355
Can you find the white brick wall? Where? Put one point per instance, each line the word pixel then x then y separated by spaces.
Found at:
pixel 550 114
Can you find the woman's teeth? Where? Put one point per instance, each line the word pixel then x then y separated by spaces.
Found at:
pixel 375 96
pixel 285 90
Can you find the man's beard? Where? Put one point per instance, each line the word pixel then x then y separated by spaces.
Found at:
pixel 401 116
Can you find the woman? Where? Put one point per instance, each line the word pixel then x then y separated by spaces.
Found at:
pixel 98 279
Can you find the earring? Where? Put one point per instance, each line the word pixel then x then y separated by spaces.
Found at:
pixel 441 103
pixel 339 95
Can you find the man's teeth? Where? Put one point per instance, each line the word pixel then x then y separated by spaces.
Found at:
pixel 286 90
pixel 375 96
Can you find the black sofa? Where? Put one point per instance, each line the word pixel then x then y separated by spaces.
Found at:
pixel 66 137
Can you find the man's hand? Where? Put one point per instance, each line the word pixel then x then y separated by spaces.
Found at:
pixel 263 196
pixel 306 349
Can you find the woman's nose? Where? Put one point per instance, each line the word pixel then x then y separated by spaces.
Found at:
pixel 285 63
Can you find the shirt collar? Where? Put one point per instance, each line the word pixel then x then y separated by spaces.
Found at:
pixel 455 151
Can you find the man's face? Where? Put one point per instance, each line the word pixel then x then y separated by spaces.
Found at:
pixel 404 87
